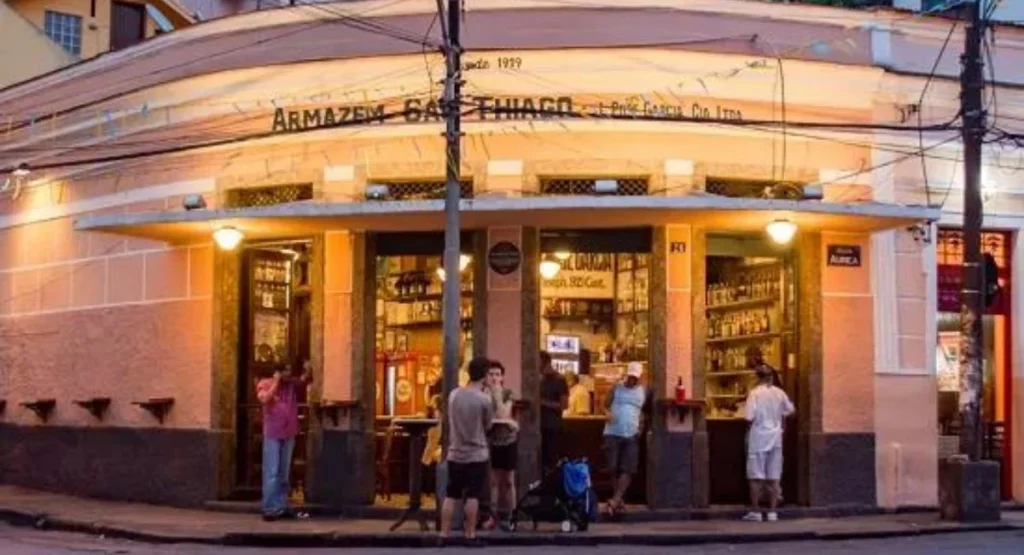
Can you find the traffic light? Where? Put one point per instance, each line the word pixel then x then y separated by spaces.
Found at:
pixel 990 288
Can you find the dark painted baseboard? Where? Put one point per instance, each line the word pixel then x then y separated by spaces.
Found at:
pixel 152 465
pixel 843 470
pixel 345 470
pixel 670 474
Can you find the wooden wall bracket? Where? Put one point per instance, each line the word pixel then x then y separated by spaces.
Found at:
pixel 335 409
pixel 681 408
pixel 42 407
pixel 97 406
pixel 158 406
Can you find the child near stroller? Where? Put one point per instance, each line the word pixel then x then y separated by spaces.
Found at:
pixel 564 496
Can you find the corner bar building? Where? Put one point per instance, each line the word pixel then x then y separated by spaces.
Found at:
pixel 131 342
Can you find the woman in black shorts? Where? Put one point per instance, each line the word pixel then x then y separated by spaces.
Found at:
pixel 504 444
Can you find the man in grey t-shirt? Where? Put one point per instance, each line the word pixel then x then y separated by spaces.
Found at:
pixel 470 414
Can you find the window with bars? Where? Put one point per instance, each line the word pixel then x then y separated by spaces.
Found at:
pixel 754 188
pixel 64 29
pixel 950 247
pixel 269 196
pixel 423 190
pixel 630 187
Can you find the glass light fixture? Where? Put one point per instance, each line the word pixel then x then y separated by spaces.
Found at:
pixel 227 237
pixel 22 170
pixel 549 269
pixel 781 231
pixel 563 255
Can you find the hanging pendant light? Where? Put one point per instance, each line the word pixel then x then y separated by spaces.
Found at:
pixel 227 237
pixel 781 231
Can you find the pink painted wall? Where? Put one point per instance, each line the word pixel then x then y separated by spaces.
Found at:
pixel 679 316
pixel 847 340
pixel 906 438
pixel 505 312
pixel 338 317
pixel 89 315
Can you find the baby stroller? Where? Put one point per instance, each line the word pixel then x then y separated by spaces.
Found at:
pixel 564 495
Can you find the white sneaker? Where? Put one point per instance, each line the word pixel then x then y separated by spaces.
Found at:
pixel 773 516
pixel 752 517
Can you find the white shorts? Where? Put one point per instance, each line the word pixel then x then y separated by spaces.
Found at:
pixel 766 465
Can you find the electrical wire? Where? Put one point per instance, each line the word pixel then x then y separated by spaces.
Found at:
pixel 920 106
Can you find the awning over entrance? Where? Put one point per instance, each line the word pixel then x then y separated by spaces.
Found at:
pixel 711 212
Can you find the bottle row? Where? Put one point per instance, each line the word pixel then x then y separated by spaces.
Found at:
pixel 752 286
pixel 734 359
pixel 739 324
pixel 277 271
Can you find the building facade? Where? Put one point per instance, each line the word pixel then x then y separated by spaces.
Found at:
pixel 617 191
pixel 81 30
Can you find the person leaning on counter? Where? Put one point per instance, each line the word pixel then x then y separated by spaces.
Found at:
pixel 579 397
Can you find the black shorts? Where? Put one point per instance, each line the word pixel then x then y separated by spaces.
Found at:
pixel 467 481
pixel 621 454
pixel 505 457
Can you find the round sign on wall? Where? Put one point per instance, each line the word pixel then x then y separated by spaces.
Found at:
pixel 504 258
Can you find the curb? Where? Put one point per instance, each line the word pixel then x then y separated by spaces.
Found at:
pixel 420 540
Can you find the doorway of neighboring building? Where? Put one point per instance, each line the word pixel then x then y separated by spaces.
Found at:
pixel 997 350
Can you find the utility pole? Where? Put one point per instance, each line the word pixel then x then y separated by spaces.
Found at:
pixel 972 82
pixel 452 297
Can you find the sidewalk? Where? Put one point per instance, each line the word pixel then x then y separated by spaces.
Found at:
pixel 148 523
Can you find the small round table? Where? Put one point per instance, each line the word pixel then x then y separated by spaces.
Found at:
pixel 417 430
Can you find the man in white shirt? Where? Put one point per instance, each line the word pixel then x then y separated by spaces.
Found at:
pixel 766 409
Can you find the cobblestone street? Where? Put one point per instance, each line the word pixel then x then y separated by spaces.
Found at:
pixel 19 541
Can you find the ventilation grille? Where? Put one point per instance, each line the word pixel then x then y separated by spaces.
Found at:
pixel 754 188
pixel 269 196
pixel 424 190
pixel 633 187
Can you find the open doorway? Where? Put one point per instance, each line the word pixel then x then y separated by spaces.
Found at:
pixel 408 350
pixel 594 321
pixel 750 303
pixel 275 332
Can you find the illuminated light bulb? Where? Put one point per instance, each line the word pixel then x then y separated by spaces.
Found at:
pixel 563 255
pixel 781 231
pixel 549 269
pixel 227 238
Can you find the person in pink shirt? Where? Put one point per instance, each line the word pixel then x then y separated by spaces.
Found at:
pixel 279 396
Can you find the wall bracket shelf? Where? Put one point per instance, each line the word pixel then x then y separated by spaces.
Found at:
pixel 158 407
pixel 335 409
pixel 42 407
pixel 97 406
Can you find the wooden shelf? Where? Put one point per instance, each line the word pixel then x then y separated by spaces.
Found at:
pixel 681 408
pixel 334 409
pixel 42 407
pixel 748 303
pixel 158 407
pixel 424 324
pixel 730 374
pixel 743 338
pixel 97 406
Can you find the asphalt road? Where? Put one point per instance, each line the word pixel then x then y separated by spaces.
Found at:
pixel 20 541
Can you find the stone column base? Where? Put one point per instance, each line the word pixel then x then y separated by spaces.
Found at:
pixel 969 491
